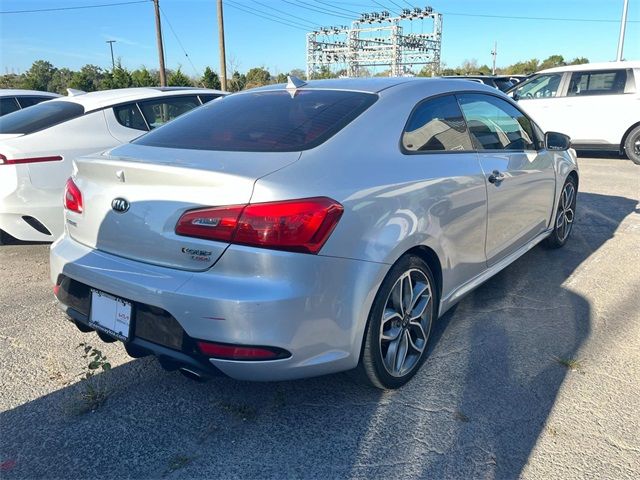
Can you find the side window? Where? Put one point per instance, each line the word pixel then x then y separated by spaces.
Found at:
pixel 129 116
pixel 495 124
pixel 160 111
pixel 436 125
pixel 30 101
pixel 604 82
pixel 541 86
pixel 207 97
pixel 8 105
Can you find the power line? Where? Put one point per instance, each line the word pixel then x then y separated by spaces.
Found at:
pixel 538 18
pixel 238 7
pixel 340 8
pixel 75 8
pixel 317 9
pixel 179 42
pixel 293 22
pixel 282 11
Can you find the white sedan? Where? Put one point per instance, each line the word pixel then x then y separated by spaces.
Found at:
pixel 38 145
pixel 12 100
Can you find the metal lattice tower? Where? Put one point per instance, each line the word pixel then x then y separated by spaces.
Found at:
pixel 377 40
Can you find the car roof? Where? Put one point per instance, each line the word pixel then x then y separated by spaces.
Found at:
pixel 106 98
pixel 17 92
pixel 592 66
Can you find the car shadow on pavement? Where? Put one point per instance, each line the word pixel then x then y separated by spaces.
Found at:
pixel 476 409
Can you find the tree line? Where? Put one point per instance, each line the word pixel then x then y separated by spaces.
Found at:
pixel 43 76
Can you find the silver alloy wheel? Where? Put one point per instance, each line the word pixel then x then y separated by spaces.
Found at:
pixel 564 219
pixel 405 324
pixel 636 146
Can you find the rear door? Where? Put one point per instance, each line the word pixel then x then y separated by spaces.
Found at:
pixel 519 173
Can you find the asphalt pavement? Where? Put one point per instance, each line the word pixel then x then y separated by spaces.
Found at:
pixel 536 374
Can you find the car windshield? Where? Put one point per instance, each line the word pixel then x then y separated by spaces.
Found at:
pixel 263 121
pixel 39 117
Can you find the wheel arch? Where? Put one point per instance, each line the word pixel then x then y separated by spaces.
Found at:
pixel 626 134
pixel 430 257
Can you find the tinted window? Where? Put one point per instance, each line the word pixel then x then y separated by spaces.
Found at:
pixel 30 101
pixel 8 105
pixel 495 124
pixel 39 117
pixel 129 116
pixel 503 84
pixel 437 125
pixel 597 83
pixel 207 97
pixel 271 121
pixel 540 86
pixel 160 111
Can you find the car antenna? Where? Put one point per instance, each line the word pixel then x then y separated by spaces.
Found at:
pixel 293 83
pixel 74 92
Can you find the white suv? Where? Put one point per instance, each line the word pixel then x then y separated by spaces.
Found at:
pixel 597 104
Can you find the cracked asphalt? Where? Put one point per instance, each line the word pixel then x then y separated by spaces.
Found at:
pixel 536 374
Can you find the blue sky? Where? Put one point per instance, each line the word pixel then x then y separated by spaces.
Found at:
pixel 72 38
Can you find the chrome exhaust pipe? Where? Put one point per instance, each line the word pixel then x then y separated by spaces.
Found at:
pixel 192 375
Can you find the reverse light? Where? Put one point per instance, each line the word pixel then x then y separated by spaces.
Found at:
pixel 16 161
pixel 302 225
pixel 72 197
pixel 240 352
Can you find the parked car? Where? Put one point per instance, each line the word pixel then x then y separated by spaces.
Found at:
pixel 597 104
pixel 281 233
pixel 37 146
pixel 12 100
pixel 502 83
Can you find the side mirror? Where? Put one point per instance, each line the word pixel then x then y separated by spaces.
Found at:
pixel 556 141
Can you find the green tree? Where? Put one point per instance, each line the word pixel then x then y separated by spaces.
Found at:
pixel 210 79
pixel 281 78
pixel 323 73
pixel 552 61
pixel 579 61
pixel 11 80
pixel 143 78
pixel 257 76
pixel 179 79
pixel 237 82
pixel 120 78
pixel 90 78
pixel 523 68
pixel 39 75
pixel 298 72
pixel 61 80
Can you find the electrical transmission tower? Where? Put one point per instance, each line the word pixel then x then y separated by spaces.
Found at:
pixel 377 40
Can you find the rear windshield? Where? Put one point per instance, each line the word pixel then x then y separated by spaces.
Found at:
pixel 271 121
pixel 39 117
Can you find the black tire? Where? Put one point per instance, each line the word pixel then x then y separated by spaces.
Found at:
pixel 5 238
pixel 414 333
pixel 562 228
pixel 632 145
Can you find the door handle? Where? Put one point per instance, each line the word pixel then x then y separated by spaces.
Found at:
pixel 496 177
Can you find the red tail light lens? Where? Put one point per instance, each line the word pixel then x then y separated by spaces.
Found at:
pixel 72 197
pixel 293 225
pixel 240 352
pixel 16 161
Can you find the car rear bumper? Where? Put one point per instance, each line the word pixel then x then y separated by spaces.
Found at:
pixel 312 306
pixel 28 213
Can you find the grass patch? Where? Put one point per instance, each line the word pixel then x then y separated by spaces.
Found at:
pixel 571 364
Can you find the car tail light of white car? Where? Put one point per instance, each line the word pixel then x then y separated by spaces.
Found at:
pixel 294 225
pixel 72 197
pixel 16 161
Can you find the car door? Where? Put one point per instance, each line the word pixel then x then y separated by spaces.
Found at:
pixel 519 172
pixel 540 97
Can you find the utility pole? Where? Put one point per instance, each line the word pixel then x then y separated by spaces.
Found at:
pixel 623 26
pixel 163 75
pixel 494 54
pixel 113 62
pixel 223 59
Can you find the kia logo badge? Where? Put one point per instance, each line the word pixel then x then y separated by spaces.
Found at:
pixel 120 205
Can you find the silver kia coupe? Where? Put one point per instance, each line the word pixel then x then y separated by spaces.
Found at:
pixel 309 228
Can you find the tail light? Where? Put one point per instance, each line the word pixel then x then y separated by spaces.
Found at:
pixel 241 352
pixel 72 197
pixel 293 225
pixel 16 161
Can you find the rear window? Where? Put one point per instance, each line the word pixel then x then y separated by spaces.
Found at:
pixel 271 121
pixel 39 117
pixel 8 105
pixel 31 101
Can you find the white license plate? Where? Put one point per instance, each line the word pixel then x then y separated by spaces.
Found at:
pixel 110 314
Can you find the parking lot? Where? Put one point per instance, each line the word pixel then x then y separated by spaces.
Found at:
pixel 534 374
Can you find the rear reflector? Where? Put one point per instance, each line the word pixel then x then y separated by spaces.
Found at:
pixel 239 352
pixel 294 225
pixel 72 197
pixel 15 161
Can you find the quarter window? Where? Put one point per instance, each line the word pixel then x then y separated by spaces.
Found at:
pixel 30 101
pixel 608 82
pixel 160 111
pixel 8 105
pixel 437 125
pixel 495 124
pixel 129 116
pixel 541 86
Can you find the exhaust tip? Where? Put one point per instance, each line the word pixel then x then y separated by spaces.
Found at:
pixel 191 375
